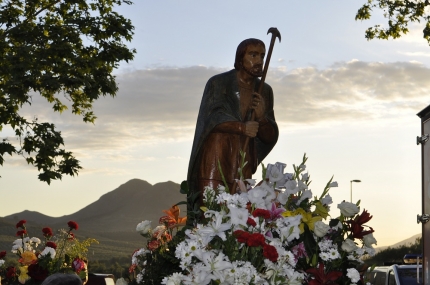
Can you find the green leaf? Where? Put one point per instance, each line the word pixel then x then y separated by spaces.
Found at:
pixel 42 52
pixel 184 187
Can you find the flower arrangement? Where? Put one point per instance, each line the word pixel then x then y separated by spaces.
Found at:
pixel 159 248
pixel 276 232
pixel 38 259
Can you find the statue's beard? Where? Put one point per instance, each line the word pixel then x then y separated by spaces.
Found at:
pixel 255 71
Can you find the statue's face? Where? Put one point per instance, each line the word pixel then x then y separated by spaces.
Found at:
pixel 253 60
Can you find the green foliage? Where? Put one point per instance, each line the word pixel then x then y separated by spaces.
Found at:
pixel 399 14
pixel 62 50
pixel 118 266
pixel 395 254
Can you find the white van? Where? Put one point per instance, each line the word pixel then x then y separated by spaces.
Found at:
pixel 395 275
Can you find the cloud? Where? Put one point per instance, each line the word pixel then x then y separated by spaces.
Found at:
pixel 157 106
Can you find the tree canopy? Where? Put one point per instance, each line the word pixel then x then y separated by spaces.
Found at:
pixel 400 13
pixel 61 50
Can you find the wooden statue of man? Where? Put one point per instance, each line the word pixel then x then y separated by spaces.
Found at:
pixel 224 123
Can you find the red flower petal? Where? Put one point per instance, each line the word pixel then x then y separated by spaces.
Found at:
pixel 73 225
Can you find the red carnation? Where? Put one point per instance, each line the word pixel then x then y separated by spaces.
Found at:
pixel 47 232
pixel 132 268
pixel 269 252
pixel 51 244
pixel 20 224
pixel 21 233
pixel 251 222
pixel 241 236
pixel 73 225
pixel 10 272
pixel 261 213
pixel 2 254
pixel 71 236
pixel 256 239
pixel 152 245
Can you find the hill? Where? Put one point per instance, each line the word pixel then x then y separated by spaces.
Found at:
pixel 112 219
pixel 406 242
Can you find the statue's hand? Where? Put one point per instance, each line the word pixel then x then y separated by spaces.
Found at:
pixel 251 128
pixel 258 105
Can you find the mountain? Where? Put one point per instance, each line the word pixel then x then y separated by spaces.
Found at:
pixel 112 219
pixel 407 241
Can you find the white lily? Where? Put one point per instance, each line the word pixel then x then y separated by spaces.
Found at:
pixel 215 228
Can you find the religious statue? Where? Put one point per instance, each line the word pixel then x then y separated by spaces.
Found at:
pixel 225 126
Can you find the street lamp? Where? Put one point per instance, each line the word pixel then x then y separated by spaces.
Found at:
pixel 355 180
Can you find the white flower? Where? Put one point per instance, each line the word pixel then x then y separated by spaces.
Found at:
pixel 348 209
pixel 216 264
pixel 275 173
pixel 370 251
pixel 208 194
pixel 320 228
pixel 215 228
pixel 349 245
pixel 325 245
pixel 326 200
pixel 334 253
pixel 251 182
pixel 35 240
pixel 1 262
pixel 48 251
pixel 353 275
pixel 288 228
pixel 333 184
pixel 291 185
pixel 256 196
pixel 140 252
pixel 175 279
pixel 302 185
pixel 307 194
pixel 369 240
pixel 283 198
pixel 238 216
pixel 144 227
pixel 305 177
pixel 325 255
pixel 121 281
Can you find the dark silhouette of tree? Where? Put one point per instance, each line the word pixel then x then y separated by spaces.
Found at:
pixel 395 254
pixel 400 13
pixel 65 51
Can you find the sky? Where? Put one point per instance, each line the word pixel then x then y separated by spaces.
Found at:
pixel 348 103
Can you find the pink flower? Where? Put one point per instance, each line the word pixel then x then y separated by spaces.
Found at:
pixel 78 265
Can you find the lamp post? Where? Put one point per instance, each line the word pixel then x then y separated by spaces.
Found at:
pixel 355 180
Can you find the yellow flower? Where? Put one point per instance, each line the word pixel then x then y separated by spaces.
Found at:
pixel 23 276
pixel 321 210
pixel 307 218
pixel 27 258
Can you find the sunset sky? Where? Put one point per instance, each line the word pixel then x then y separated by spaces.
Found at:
pixel 348 103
